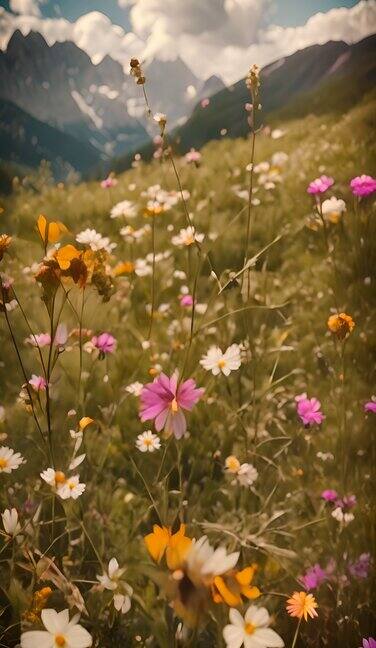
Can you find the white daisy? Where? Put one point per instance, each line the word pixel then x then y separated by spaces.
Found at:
pixel 252 631
pixel 125 208
pixel 204 560
pixel 187 237
pixel 112 581
pixel 216 361
pixel 332 208
pixel 9 460
pixel 10 522
pixel 148 442
pixel 71 488
pixel 59 633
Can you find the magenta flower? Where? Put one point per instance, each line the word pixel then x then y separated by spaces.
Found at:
pixel 313 577
pixel 363 185
pixel 309 410
pixel 361 567
pixel 105 342
pixel 329 495
pixel 369 643
pixel 164 399
pixel 187 301
pixel 38 383
pixel 370 407
pixel 320 185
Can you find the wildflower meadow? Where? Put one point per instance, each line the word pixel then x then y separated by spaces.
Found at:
pixel 188 402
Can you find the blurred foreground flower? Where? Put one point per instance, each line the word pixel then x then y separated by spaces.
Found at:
pixel 5 242
pixel 368 643
pixel 10 522
pixel 302 605
pixel 164 399
pixel 252 631
pixel 59 633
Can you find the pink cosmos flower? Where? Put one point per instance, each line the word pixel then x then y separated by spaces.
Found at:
pixel 363 185
pixel 187 302
pixel 105 342
pixel 109 182
pixel 164 399
pixel 370 407
pixel 309 410
pixel 329 495
pixel 320 185
pixel 38 382
pixel 193 156
pixel 61 335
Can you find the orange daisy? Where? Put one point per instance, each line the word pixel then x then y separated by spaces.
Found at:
pixel 301 605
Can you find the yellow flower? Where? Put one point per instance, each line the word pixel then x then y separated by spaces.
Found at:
pixel 126 267
pixel 5 242
pixel 85 421
pixel 50 232
pixel 65 255
pixel 162 541
pixel 230 588
pixel 341 325
pixel 302 605
pixel 232 464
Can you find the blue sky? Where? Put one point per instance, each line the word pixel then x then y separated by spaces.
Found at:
pixel 284 13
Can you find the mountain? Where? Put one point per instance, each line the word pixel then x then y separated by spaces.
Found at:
pixel 317 79
pixel 26 141
pixel 99 105
pixel 60 85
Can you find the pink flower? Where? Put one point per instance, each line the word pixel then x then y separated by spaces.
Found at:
pixel 320 185
pixel 363 185
pixel 313 577
pixel 38 383
pixel 39 340
pixel 193 156
pixel 369 643
pixel 309 410
pixel 329 495
pixel 370 407
pixel 187 301
pixel 164 399
pixel 61 335
pixel 105 342
pixel 205 103
pixel 109 182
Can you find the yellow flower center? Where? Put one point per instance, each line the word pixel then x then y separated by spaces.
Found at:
pixel 71 485
pixel 3 463
pixel 221 363
pixel 232 464
pixel 249 628
pixel 189 239
pixel 60 640
pixel 174 405
pixel 59 477
pixel 148 442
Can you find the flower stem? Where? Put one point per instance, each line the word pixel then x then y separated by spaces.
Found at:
pixel 296 634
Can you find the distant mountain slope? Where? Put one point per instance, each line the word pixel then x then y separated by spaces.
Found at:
pixel 26 141
pixel 317 79
pixel 291 85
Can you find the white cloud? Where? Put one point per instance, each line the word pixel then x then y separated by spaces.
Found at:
pixel 25 7
pixel 222 37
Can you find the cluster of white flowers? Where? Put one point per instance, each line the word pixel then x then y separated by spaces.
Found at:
pixel 125 209
pixel 187 237
pixel 95 241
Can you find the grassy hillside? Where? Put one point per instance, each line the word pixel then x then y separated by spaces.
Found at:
pixel 278 312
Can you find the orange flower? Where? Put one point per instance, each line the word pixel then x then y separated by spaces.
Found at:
pixel 341 325
pixel 126 267
pixel 175 546
pixel 302 605
pixel 5 242
pixel 50 232
pixel 229 589
pixel 65 255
